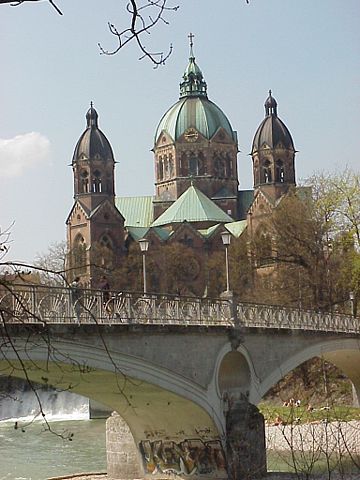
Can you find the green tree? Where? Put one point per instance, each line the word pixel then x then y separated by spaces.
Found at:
pixel 314 255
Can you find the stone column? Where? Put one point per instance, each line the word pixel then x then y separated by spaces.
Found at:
pixel 245 441
pixel 123 461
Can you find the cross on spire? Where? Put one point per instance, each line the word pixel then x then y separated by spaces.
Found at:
pixel 191 36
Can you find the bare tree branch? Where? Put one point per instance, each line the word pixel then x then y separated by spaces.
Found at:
pixel 20 2
pixel 143 18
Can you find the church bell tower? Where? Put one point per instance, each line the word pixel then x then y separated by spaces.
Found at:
pixel 95 228
pixel 273 153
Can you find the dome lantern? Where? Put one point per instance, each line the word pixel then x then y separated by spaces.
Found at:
pixel 270 106
pixel 193 84
pixel 92 116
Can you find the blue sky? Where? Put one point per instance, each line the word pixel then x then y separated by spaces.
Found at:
pixel 307 52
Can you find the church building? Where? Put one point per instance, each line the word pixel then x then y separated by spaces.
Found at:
pixel 196 194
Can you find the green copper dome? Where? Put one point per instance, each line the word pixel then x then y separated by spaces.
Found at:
pixel 194 109
pixel 196 112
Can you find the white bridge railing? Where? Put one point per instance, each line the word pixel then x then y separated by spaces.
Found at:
pixel 57 305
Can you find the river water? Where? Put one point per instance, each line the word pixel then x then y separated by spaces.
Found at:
pixel 35 454
pixel 31 452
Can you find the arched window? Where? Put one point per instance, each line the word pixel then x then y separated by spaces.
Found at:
pixel 104 252
pixel 219 167
pixel 171 166
pixel 280 175
pixel 160 169
pixel 264 250
pixel 84 181
pixel 106 242
pixel 267 172
pixel 79 254
pixel 229 169
pixel 193 165
pixel 96 182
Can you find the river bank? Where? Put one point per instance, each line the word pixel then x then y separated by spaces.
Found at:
pixel 269 476
pixel 337 438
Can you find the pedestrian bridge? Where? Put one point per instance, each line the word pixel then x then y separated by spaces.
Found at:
pixel 184 373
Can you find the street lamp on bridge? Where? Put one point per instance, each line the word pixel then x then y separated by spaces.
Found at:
pixel 144 245
pixel 226 239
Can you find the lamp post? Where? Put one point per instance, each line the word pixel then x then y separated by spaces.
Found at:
pixel 226 239
pixel 144 245
pixel 352 301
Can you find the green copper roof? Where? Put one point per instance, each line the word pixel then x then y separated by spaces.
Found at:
pixel 196 112
pixel 207 233
pixel 193 83
pixel 141 232
pixel 236 228
pixel 137 232
pixel 193 206
pixel 193 109
pixel 245 199
pixel 137 211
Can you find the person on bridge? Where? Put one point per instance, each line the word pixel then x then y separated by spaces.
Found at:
pixel 75 296
pixel 104 286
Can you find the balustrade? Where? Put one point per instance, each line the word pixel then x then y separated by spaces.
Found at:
pixel 46 304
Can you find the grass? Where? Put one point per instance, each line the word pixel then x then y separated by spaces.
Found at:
pixel 283 462
pixel 301 415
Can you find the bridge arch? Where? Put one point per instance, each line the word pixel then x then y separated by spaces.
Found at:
pixel 155 403
pixel 343 353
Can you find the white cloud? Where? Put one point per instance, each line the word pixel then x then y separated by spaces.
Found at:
pixel 22 152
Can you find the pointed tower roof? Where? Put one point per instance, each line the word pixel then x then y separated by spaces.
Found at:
pixel 192 206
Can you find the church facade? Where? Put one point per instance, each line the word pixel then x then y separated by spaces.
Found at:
pixel 197 194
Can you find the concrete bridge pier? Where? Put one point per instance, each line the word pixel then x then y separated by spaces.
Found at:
pixel 242 458
pixel 123 459
pixel 245 442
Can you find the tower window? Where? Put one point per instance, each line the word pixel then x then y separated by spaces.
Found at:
pixel 171 166
pixel 96 182
pixel 280 175
pixel 160 169
pixel 220 169
pixel 166 167
pixel 84 181
pixel 267 172
pixel 193 165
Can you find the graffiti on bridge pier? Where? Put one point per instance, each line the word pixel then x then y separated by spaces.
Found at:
pixel 188 457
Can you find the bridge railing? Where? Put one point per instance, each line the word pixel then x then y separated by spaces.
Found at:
pixel 47 304
pixel 33 304
pixel 270 316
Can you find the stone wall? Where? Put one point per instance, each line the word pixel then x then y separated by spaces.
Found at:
pixel 123 460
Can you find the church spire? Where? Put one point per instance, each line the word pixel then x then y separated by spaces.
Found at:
pixel 193 84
